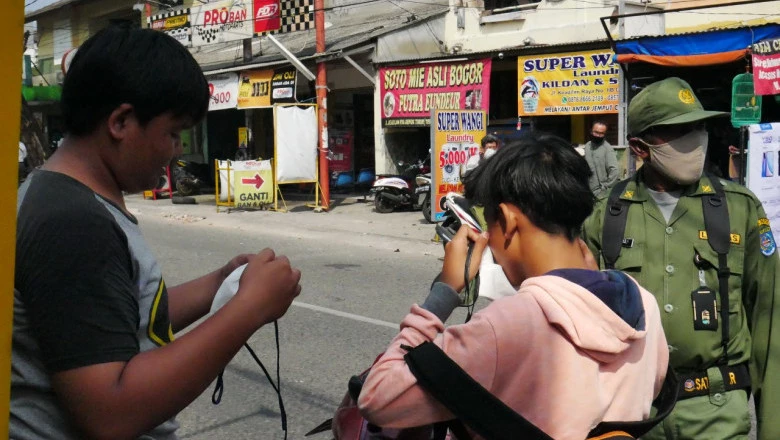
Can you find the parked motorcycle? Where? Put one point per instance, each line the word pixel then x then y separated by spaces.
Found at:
pixel 423 194
pixel 184 175
pixel 393 192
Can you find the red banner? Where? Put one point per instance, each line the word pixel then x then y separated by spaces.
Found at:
pixel 766 67
pixel 410 92
pixel 268 15
pixel 341 148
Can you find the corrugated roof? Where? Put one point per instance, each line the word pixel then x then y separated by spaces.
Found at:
pixel 345 33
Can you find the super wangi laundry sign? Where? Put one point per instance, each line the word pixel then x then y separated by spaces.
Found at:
pixel 409 93
pixel 568 83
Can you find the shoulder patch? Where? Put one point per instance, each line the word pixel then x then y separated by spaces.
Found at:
pixel 767 240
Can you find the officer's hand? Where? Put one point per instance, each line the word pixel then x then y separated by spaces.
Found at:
pixel 590 261
pixel 269 285
pixel 455 257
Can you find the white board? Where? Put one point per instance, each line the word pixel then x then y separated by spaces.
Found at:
pixel 296 144
pixel 763 177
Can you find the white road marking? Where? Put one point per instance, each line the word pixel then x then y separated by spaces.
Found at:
pixel 347 315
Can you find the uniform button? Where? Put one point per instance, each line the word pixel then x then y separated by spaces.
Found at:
pixel 670 269
pixel 717 396
pixel 669 308
pixel 669 230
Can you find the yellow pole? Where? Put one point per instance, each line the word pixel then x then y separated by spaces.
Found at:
pixel 578 129
pixel 10 117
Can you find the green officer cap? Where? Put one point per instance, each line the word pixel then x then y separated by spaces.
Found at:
pixel 667 102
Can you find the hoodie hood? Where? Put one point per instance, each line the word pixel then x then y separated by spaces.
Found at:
pixel 600 312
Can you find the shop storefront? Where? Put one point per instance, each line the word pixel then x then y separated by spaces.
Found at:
pixel 406 95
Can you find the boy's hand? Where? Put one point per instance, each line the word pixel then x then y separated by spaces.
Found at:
pixel 270 284
pixel 455 257
pixel 234 264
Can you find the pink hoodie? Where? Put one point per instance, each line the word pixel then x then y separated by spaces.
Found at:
pixel 554 352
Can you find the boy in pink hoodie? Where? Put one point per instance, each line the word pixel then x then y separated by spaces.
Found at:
pixel 572 348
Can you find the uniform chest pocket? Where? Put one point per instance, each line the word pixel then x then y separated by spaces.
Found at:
pixel 631 259
pixel 735 260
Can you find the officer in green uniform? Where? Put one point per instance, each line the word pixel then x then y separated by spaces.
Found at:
pixel 665 247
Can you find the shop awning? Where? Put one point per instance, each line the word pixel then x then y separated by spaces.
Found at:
pixel 718 46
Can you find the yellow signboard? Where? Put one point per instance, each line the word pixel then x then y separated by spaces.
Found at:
pixel 254 188
pixel 455 136
pixel 254 88
pixel 567 83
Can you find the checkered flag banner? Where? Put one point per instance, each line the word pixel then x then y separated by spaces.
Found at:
pixel 174 23
pixel 295 15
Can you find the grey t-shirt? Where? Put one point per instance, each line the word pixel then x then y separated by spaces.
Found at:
pixel 87 290
pixel 666 201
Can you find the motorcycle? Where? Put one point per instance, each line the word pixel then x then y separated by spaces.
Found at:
pixel 184 175
pixel 393 192
pixel 423 194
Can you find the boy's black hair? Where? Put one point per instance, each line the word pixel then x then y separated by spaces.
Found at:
pixel 540 174
pixel 144 68
pixel 487 139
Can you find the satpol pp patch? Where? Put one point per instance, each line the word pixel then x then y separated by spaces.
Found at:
pixel 767 240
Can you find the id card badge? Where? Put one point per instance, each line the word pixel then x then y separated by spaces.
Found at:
pixel 705 309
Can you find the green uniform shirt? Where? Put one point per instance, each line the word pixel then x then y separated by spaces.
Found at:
pixel 661 259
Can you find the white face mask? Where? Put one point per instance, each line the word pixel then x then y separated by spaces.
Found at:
pixel 493 283
pixel 489 152
pixel 682 159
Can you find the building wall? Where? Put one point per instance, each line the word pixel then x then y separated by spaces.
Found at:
pixel 719 17
pixel 69 27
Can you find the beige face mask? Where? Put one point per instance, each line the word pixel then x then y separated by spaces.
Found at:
pixel 682 159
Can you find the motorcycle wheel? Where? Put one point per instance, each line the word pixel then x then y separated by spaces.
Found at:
pixel 426 209
pixel 186 188
pixel 381 205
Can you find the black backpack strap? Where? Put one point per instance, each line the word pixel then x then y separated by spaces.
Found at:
pixel 614 224
pixel 475 406
pixel 489 417
pixel 664 404
pixel 716 222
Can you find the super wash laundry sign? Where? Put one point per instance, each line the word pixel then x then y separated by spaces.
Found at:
pixel 568 83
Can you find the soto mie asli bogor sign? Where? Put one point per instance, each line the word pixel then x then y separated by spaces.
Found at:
pixel 567 83
pixel 409 93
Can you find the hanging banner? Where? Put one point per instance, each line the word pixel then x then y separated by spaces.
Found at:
pixel 223 90
pixel 567 84
pixel 341 146
pixel 763 176
pixel 283 85
pixel 409 93
pixel 174 23
pixel 254 90
pixel 766 67
pixel 222 21
pixel 455 136
pixel 283 16
pixel 267 15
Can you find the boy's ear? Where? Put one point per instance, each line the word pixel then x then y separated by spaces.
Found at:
pixel 119 121
pixel 507 219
